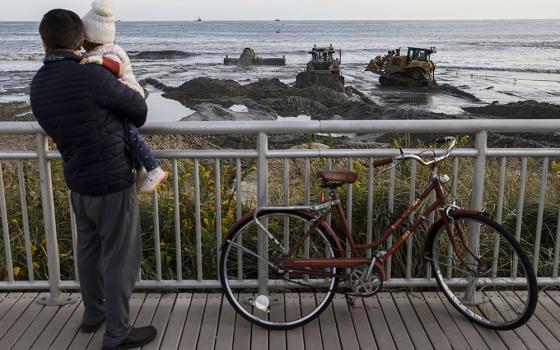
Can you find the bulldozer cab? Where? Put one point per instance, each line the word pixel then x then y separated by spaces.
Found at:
pixel 322 60
pixel 416 54
pixel 322 54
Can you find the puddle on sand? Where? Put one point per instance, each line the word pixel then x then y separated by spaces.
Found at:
pixel 161 109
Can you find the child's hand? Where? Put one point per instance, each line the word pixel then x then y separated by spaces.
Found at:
pixel 92 60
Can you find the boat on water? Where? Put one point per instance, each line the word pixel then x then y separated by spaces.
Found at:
pixel 198 19
pixel 277 20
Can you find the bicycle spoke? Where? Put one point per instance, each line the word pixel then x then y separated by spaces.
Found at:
pixel 479 284
pixel 263 308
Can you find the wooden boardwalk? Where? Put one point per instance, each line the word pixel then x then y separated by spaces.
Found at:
pixel 206 321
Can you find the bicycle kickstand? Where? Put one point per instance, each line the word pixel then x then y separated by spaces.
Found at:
pixel 351 300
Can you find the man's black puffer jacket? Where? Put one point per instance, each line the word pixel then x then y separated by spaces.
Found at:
pixel 83 108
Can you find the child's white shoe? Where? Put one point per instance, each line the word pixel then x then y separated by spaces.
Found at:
pixel 153 179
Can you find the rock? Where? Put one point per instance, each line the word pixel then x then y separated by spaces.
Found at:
pixel 455 91
pixel 200 90
pixel 272 97
pixel 16 111
pixel 267 84
pixel 214 112
pixel 292 106
pixel 153 82
pixel 315 79
pixel 518 110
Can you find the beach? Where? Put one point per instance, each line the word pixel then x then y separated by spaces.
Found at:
pixel 514 65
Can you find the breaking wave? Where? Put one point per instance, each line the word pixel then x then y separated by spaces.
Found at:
pixel 160 55
pixel 25 56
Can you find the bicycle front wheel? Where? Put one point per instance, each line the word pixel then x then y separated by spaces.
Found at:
pixel 487 276
pixel 289 298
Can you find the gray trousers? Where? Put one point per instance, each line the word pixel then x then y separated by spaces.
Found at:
pixel 108 258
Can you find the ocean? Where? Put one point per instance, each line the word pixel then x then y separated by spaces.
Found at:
pixel 496 60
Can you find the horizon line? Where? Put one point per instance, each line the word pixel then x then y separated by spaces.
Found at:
pixel 315 20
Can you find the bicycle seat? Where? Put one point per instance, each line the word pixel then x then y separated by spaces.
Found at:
pixel 337 177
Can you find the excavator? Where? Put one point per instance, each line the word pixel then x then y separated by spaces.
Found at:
pixel 413 69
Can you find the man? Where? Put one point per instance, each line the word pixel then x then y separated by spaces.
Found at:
pixel 83 109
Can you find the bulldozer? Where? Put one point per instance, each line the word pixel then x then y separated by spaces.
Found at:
pixel 413 69
pixel 322 60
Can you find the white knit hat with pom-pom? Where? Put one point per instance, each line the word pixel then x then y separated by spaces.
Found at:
pixel 99 23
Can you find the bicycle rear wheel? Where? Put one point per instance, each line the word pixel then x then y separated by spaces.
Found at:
pixel 493 284
pixel 292 298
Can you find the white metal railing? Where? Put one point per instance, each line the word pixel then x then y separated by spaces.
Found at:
pixel 263 155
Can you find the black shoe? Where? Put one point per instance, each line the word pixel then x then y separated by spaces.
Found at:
pixel 136 337
pixel 90 328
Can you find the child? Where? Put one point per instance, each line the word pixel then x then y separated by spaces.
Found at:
pixel 99 43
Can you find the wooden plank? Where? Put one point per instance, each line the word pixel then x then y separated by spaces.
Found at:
pixel 226 327
pixel 41 321
pixel 411 321
pixel 552 299
pixel 311 330
pixel 147 312
pixel 71 328
pixel 242 337
pixel 259 335
pixel 23 322
pixel 507 339
pixel 523 332
pixel 445 320
pixel 344 323
pixel 191 330
pixel 161 319
pixel 363 330
pixel 294 337
pixel 378 324
pixel 136 302
pixel 432 328
pixel 8 302
pixel 174 329
pixel 534 324
pixel 398 330
pixel 277 338
pixel 548 313
pixel 207 337
pixel 15 312
pixel 479 336
pixel 57 323
pixel 329 332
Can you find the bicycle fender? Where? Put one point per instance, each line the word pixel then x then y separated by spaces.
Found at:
pixel 438 224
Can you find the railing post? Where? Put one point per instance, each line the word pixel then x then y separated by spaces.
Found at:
pixel 55 298
pixel 262 200
pixel 477 197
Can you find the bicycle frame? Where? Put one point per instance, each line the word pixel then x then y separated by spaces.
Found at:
pixel 355 260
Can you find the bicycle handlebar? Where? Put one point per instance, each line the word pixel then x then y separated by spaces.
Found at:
pixel 418 157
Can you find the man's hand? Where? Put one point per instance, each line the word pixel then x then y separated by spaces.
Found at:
pixel 92 60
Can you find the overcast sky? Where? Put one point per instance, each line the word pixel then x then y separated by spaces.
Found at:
pixel 11 10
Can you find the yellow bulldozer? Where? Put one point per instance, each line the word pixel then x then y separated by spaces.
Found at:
pixel 322 60
pixel 413 69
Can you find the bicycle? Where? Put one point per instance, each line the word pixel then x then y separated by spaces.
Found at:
pixel 279 254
